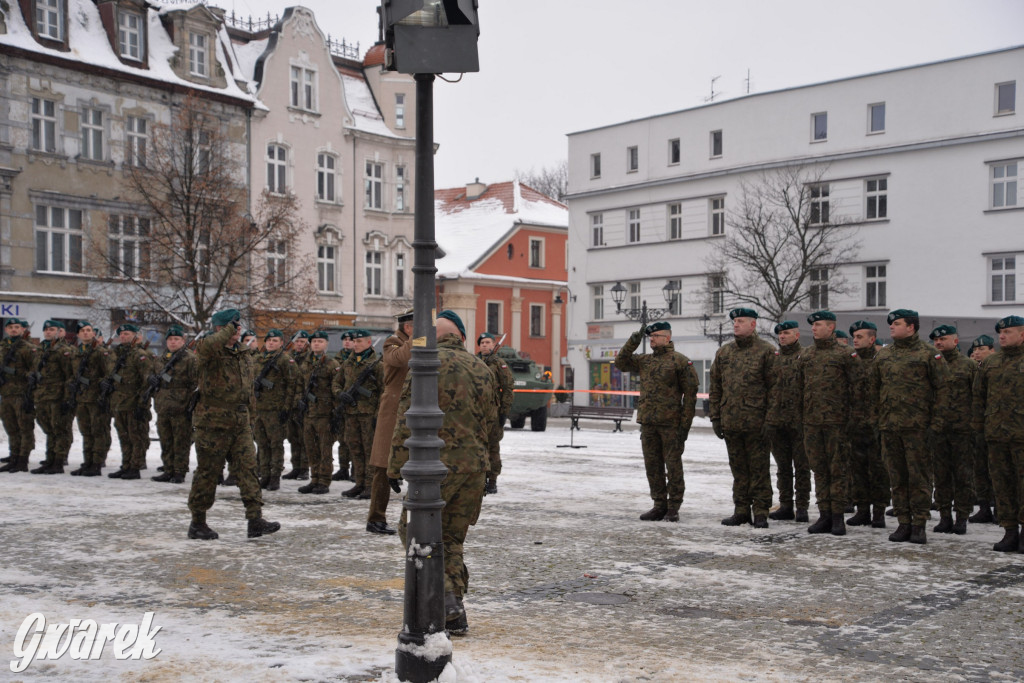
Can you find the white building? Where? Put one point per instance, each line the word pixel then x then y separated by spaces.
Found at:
pixel 925 161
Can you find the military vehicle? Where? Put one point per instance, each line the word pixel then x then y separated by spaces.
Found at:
pixel 527 375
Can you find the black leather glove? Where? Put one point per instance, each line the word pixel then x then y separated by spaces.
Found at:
pixel 396 485
pixel 717 426
pixel 107 385
pixel 346 399
pixel 154 381
pixel 66 408
pixel 636 337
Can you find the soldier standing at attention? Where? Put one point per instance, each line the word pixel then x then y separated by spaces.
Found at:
pixel 982 348
pixel 741 378
pixel 909 388
pixel 396 354
pixel 465 393
pixel 783 420
pixel 998 396
pixel 316 402
pixel 357 388
pixel 172 389
pixel 344 470
pixel 50 388
pixel 276 389
pixel 91 363
pixel 222 431
pixel 132 368
pixel 952 448
pixel 296 437
pixel 842 338
pixel 869 478
pixel 505 385
pixel 668 399
pixel 17 361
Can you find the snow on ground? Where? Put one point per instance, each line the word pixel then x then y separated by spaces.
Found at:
pixel 322 599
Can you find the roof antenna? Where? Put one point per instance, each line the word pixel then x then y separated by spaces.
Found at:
pixel 713 95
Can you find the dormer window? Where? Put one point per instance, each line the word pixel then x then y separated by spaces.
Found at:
pixel 50 19
pixel 129 35
pixel 198 63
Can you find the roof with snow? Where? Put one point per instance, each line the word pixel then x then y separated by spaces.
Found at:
pixel 468 229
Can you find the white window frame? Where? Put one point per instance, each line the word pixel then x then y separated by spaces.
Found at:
pixel 50 19
pixel 198 54
pixel 55 230
pixel 1002 269
pixel 400 110
pixel 597 294
pixel 874 106
pixel 537 331
pixel 536 252
pixel 128 247
pixel 277 168
pixel 632 159
pixel 136 141
pixel 820 209
pixel 875 278
pixel 401 276
pixel 44 125
pixel 373 185
pixel 822 117
pixel 675 220
pixel 201 267
pixel 499 308
pixel 302 92
pixel 126 32
pixel 1003 187
pixel 595 165
pixel 374 272
pixel 716 293
pixel 675 302
pixel 400 183
pixel 876 198
pixel 818 288
pixel 327 184
pixel 1011 87
pixel 277 262
pixel 93 133
pixel 327 267
pixel 675 152
pixel 635 295
pixel 632 226
pixel 715 139
pixel 597 230
pixel 716 216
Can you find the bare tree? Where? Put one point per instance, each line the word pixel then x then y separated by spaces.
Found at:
pixel 192 246
pixel 784 245
pixel 552 181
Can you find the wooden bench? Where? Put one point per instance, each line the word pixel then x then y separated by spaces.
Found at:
pixel 613 413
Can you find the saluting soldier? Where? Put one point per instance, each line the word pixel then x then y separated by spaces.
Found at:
pixel 981 348
pixel 869 477
pixel 276 390
pixel 133 366
pixel 344 470
pixel 785 428
pixel 316 403
pixel 296 438
pixel 18 358
pixel 50 388
pixel 357 389
pixel 92 363
pixel 172 389
pixel 504 384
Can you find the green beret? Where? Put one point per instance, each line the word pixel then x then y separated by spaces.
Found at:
pixel 53 323
pixel 1010 321
pixel 347 334
pixel 786 325
pixel 319 334
pixel 98 331
pixel 273 332
pixel 900 313
pixel 821 315
pixel 302 334
pixel 127 327
pixel 841 335
pixel 983 340
pixel 84 323
pixel 404 317
pixel 658 326
pixel 225 317
pixel 454 317
pixel 359 334
pixel 248 333
pixel 742 313
pixel 484 335
pixel 863 325
pixel 942 331
pixel 174 331
pixel 16 321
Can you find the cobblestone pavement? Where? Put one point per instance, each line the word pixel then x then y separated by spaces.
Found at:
pixel 566 582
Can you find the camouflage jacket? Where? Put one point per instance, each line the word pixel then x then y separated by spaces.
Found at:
pixel 316 381
pixel 177 384
pixel 132 377
pixel 22 362
pixel 465 393
pixel 365 405
pixel 998 395
pixel 504 382
pixel 225 382
pixel 55 368
pixel 668 384
pixel 98 363
pixel 283 376
pixel 860 411
pixel 784 397
pixel 301 359
pixel 961 391
pixel 909 386
pixel 742 376
pixel 828 377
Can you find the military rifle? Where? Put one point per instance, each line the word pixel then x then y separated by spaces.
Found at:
pixel 107 385
pixel 7 370
pixel 81 382
pixel 308 397
pixel 34 378
pixel 347 398
pixel 262 382
pixel 153 384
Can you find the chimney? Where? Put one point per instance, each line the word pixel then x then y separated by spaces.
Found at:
pixel 475 189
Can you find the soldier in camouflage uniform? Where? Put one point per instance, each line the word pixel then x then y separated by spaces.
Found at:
pixel 296 438
pixel 869 479
pixel 952 448
pixel 909 390
pixel 998 397
pixel 50 387
pixel 466 396
pixel 981 348
pixel 222 431
pixel 505 384
pixel 316 403
pixel 18 359
pixel 668 399
pixel 360 407
pixel 276 390
pixel 828 378
pixel 344 470
pixel 92 362
pixel 172 386
pixel 133 366
pixel 742 375
pixel 785 429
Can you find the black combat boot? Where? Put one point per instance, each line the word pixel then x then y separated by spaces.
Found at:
pixel 166 476
pixel 801 515
pixel 901 535
pixel 274 483
pixel 365 495
pixel 737 518
pixel 353 492
pixel 878 517
pixel 945 525
pixel 260 526
pixel 320 489
pixel 160 469
pixel 200 532
pixel 760 521
pixel 380 528
pixel 891 512
pixel 56 468
pixel 785 511
pixel 491 486
pixel 455 615
pixel 341 474
pixel 6 459
pixel 862 518
pixel 838 524
pixel 960 526
pixel 117 474
pixel 294 474
pixel 177 479
pixel 983 515
pixel 303 474
pixel 92 471
pixel 1010 541
pixel 672 516
pixel 917 534
pixel 307 488
pixel 823 525
pixel 264 482
pixel 131 474
pixel 78 472
pixel 42 468
pixel 848 509
pixel 655 514
pixel 9 464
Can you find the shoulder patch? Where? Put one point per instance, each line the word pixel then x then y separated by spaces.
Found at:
pixel 776 352
pixel 853 355
pixel 938 356
pixel 689 362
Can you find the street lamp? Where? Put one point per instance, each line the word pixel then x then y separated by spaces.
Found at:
pixel 720 337
pixel 424 38
pixel 643 314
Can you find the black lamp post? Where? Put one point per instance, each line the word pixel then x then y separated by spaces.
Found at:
pixel 720 337
pixel 425 37
pixel 643 314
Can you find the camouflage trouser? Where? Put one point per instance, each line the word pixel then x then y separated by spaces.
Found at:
pixel 58 430
pixel 19 425
pixel 269 434
pixel 494 450
pixel 463 495
pixel 175 431
pixel 751 471
pixel 94 425
pixel 827 452
pixel 133 436
pixel 982 478
pixel 663 457
pixel 214 447
pixel 790 460
pixel 909 461
pixel 380 493
pixel 319 446
pixel 297 445
pixel 954 472
pixel 869 479
pixel 359 444
pixel 1006 464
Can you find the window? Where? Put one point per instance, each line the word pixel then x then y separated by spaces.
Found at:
pixel 399 188
pixel 44 125
pixel 399 275
pixel 634 225
pixel 716 292
pixel 58 239
pixel 597 230
pixel 1004 278
pixel 673 152
pixel 876 190
pixel 326 265
pixel 399 110
pixel 374 185
pixel 716 143
pixel 129 35
pixel 632 159
pixel 494 317
pixel 819 127
pixel 277 169
pixel 303 88
pixel 136 137
pixel 201 151
pixel 92 134
pixel 1006 97
pixel 819 204
pixel 598 296
pixel 1004 185
pixel 128 247
pixel 536 253
pixel 197 62
pixel 325 176
pixel 277 262
pixel 675 302
pixel 874 286
pixel 201 266
pixel 717 209
pixel 536 320
pixel 876 118
pixel 634 295
pixel 818 288
pixel 374 268
pixel 595 165
pixel 49 18
pixel 675 221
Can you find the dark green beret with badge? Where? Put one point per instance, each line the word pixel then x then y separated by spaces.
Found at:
pixel 942 331
pixel 863 325
pixel 248 333
pixel 319 334
pixel 1010 321
pixel 983 340
pixel 174 331
pixel 821 315
pixel 841 335
pixel 84 323
pixel 742 313
pixel 127 327
pixel 53 323
pixel 225 317
pixel 360 334
pixel 484 335
pixel 900 313
pixel 273 332
pixel 302 334
pixel 347 334
pixel 16 321
pixel 454 317
pixel 658 326
pixel 786 325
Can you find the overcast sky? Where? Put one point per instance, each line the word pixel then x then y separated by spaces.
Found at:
pixel 552 67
